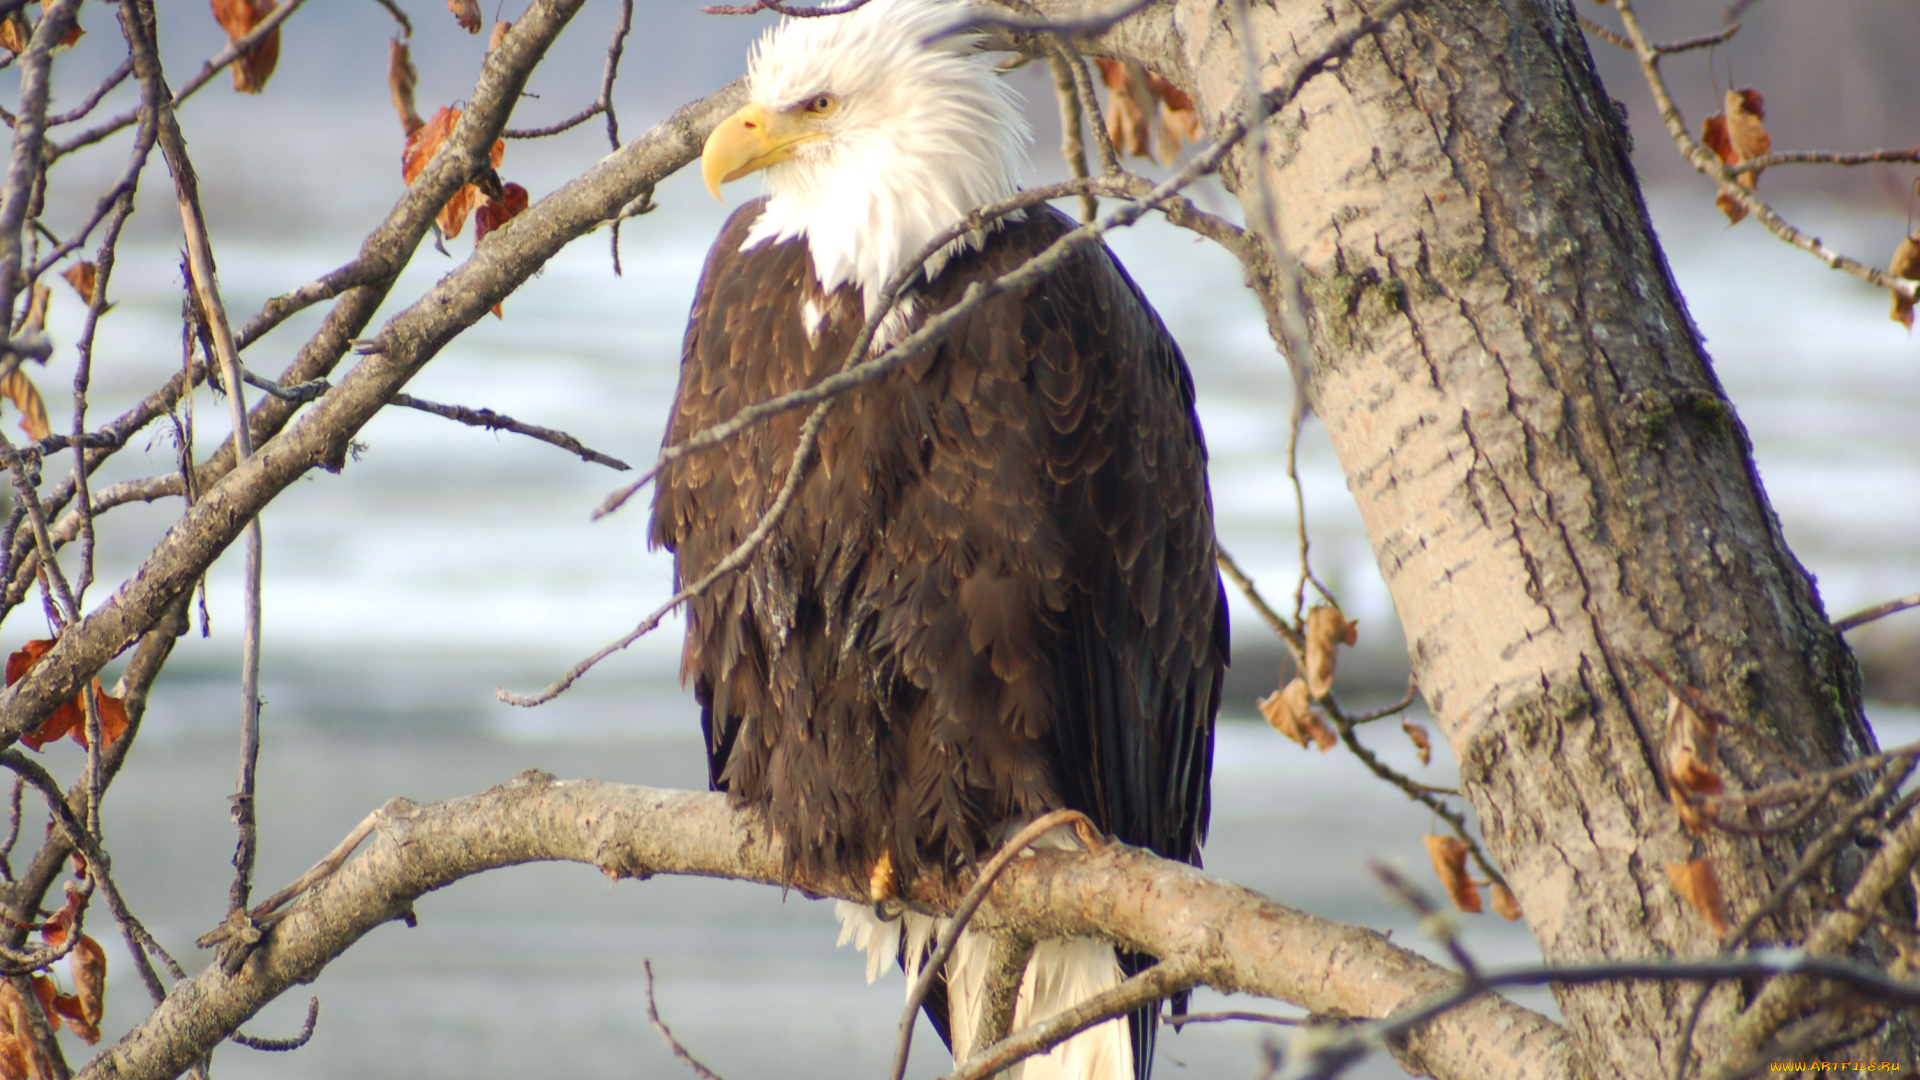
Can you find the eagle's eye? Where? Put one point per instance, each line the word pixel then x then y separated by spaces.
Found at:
pixel 822 105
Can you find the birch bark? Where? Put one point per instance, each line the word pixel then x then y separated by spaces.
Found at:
pixel 1559 493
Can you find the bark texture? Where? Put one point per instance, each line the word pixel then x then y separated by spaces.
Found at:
pixel 1234 938
pixel 1559 494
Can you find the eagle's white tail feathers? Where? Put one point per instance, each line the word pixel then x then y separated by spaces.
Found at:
pixel 1060 974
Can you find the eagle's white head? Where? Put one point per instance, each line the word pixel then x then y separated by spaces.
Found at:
pixel 877 129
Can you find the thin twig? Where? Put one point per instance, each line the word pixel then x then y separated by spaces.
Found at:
pixel 781 9
pixel 1815 856
pixel 25 165
pixel 1084 27
pixel 93 99
pixel 1406 701
pixel 138 21
pixel 935 962
pixel 493 421
pixel 1877 611
pixel 1425 794
pixel 682 1053
pixel 1233 1015
pixel 283 1045
pixel 1072 147
pixel 1156 984
pixel 1708 164
pixel 1333 1055
pixel 399 16
pixel 1663 48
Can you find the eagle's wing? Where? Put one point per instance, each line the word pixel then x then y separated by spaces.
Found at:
pixel 1097 474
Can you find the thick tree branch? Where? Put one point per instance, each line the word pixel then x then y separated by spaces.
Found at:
pixel 1235 939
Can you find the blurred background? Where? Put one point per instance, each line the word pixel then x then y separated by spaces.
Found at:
pixel 445 561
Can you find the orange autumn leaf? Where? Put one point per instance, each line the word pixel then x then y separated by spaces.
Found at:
pixel 82 276
pixel 1905 264
pixel 1746 110
pixel 238 18
pixel 401 78
pixel 13 1058
pixel 1422 745
pixel 1327 628
pixel 1292 714
pixel 71 717
pixel 1449 855
pixel 46 992
pixel 73 1012
pixel 1735 135
pixel 466 13
pixel 37 302
pixel 16 33
pixel 1179 121
pixel 54 930
pixel 1134 95
pixel 19 389
pixel 422 144
pixel 1504 903
pixel 1697 885
pixel 453 216
pixel 88 964
pixel 497 212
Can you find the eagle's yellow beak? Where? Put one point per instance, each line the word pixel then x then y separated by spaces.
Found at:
pixel 751 140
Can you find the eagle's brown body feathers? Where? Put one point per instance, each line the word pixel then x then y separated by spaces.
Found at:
pixel 995 594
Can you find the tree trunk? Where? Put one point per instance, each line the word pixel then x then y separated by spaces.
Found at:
pixel 1559 494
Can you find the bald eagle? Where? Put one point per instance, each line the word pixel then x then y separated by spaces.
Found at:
pixel 995 594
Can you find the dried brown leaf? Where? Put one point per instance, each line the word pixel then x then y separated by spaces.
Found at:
pixel 1504 903
pixel 15 32
pixel 1905 264
pixel 1422 745
pixel 424 141
pixel 422 144
pixel 19 389
pixel 1449 855
pixel 1327 628
pixel 74 1013
pixel 88 963
pixel 466 13
pixel 401 78
pixel 1292 714
pixel 46 992
pixel 494 213
pixel 30 1062
pixel 1697 885
pixel 37 302
pixel 1748 136
pixel 1692 753
pixel 1126 114
pixel 71 717
pixel 1729 206
pixel 1179 120
pixel 82 276
pixel 13 1058
pixel 238 18
pixel 1713 132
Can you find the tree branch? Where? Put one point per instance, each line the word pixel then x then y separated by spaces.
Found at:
pixel 1237 940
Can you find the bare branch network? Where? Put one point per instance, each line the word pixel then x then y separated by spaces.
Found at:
pixel 1372 995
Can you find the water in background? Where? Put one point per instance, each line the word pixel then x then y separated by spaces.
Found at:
pixel 445 561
